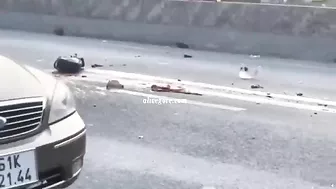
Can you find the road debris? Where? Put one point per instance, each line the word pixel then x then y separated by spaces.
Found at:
pixel 167 88
pixel 114 84
pixel 315 113
pixel 59 31
pixel 94 105
pixel 137 56
pixel 69 64
pixel 84 76
pixel 124 65
pixel 269 95
pixel 299 94
pixel 187 56
pixel 325 105
pixel 140 137
pixel 246 74
pixel 254 56
pixel 178 79
pixel 256 86
pixel 96 65
pixel 182 45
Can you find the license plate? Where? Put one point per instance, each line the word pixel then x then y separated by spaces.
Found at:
pixel 18 169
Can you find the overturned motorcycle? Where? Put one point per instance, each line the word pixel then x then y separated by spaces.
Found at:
pixel 69 64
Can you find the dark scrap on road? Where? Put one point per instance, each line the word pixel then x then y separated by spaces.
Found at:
pixel 167 88
pixel 187 56
pixel 114 84
pixel 299 94
pixel 256 86
pixel 182 45
pixel 96 65
pixel 59 31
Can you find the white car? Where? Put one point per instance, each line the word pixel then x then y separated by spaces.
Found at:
pixel 42 137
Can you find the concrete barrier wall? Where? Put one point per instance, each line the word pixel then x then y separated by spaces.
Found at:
pixel 283 31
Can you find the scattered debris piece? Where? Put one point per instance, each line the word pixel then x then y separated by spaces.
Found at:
pixel 84 76
pixel 253 138
pixel 254 56
pixel 299 94
pixel 59 31
pixel 96 65
pixel 182 45
pixel 94 105
pixel 187 56
pixel 114 84
pixel 256 86
pixel 269 95
pixel 140 137
pixel 232 83
pixel 167 88
pixel 190 93
pixel 69 64
pixel 124 65
pixel 325 105
pixel 315 113
pixel 244 73
pixel 137 56
pixel 111 65
pixel 257 103
pixel 178 79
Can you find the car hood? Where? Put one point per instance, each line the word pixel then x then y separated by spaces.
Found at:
pixel 17 82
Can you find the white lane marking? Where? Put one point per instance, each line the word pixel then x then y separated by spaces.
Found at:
pixel 256 99
pixel 139 159
pixel 271 4
pixel 263 100
pixel 218 106
pixel 118 74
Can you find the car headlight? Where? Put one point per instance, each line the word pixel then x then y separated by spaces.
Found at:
pixel 63 103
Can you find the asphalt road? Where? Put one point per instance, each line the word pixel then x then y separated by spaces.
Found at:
pixel 132 145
